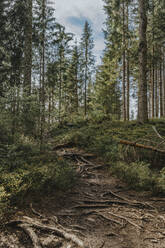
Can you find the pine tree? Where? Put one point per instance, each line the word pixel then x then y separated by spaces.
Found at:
pixel 87 60
pixel 28 46
pixel 73 78
pixel 107 90
pixel 4 53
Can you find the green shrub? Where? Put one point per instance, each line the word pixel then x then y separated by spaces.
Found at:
pixel 106 147
pixel 160 182
pixel 137 174
pixel 43 177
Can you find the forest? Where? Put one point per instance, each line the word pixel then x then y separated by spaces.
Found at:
pixel 82 139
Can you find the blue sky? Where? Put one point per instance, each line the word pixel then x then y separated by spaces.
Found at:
pixel 73 13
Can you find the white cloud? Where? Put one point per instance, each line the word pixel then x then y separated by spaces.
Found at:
pixel 92 10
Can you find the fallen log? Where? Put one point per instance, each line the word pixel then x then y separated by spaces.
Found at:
pixel 134 144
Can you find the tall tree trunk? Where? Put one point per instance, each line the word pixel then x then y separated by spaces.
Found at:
pixel 164 81
pixel 28 48
pixel 86 78
pixel 150 93
pixel 60 88
pixel 153 62
pixel 156 93
pixel 49 107
pixel 143 110
pixel 124 66
pixel 153 86
pixel 76 89
pixel 43 74
pixel 128 68
pixel 160 90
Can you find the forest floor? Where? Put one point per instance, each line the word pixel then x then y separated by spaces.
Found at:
pixel 99 212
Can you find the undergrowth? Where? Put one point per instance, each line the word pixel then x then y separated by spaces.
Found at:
pixel 24 171
pixel 140 169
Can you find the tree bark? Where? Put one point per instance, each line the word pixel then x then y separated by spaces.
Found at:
pixel 142 101
pixel 156 93
pixel 128 68
pixel 153 87
pixel 161 90
pixel 152 148
pixel 124 66
pixel 43 74
pixel 164 81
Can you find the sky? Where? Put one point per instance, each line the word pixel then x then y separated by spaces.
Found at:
pixel 73 14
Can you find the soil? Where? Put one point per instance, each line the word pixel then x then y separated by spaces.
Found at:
pixel 100 212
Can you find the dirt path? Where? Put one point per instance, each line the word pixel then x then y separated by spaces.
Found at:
pixel 100 212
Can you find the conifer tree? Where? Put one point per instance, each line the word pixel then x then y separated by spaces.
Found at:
pixel 87 60
pixel 73 78
pixel 28 46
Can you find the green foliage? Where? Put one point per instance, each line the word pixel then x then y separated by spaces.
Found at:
pixel 105 147
pixel 137 174
pixel 160 187
pixel 140 169
pixel 41 178
pixel 24 170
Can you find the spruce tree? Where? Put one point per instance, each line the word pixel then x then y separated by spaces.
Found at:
pixel 87 60
pixel 73 78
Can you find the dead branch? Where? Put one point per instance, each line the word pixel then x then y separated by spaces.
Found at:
pixel 151 148
pixel 34 238
pixel 154 128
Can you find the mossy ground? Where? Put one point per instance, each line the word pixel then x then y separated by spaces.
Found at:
pixel 141 169
pixel 24 170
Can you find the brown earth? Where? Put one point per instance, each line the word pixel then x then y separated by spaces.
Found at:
pixel 100 212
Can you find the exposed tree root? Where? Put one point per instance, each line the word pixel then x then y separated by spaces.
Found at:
pixel 26 221
pixel 106 218
pixel 35 212
pixel 87 206
pixel 102 245
pixel 34 238
pixel 124 202
pixel 86 161
pixel 124 218
pixel 127 200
